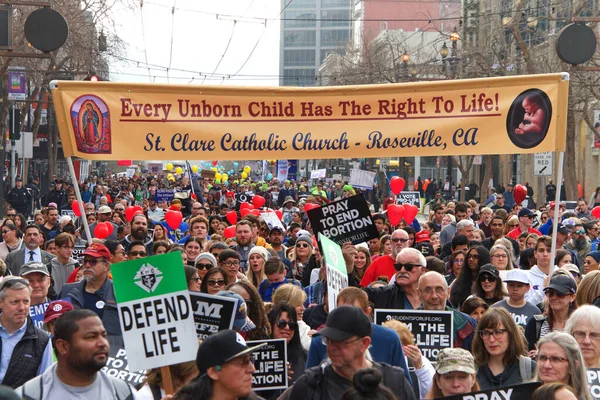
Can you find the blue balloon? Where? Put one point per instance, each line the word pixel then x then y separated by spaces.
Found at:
pixel 227 183
pixel 269 176
pixel 236 164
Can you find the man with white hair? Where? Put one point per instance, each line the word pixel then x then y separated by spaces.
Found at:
pixel 464 227
pixel 403 293
pixel 434 293
pixel 383 267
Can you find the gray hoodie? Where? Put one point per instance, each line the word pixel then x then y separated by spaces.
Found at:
pixel 61 272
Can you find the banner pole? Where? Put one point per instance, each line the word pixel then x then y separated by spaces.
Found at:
pixel 561 160
pixel 83 217
pixel 167 381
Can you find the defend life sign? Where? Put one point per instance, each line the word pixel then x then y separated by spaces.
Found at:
pixel 345 220
pixel 270 362
pixel 155 312
pixel 335 267
pixel 432 329
pixel 503 115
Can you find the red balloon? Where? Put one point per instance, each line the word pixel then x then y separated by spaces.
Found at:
pixel 310 206
pixel 410 212
pixel 395 213
pixel 255 212
pixel 247 205
pixel 231 217
pixel 194 196
pixel 101 231
pixel 229 232
pixel 173 219
pixel 397 185
pixel 129 211
pixel 76 207
pixel 596 212
pixel 214 163
pixel 110 227
pixel 244 212
pixel 519 193
pixel 279 214
pixel 258 201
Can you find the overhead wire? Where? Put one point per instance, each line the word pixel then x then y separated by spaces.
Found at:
pixel 144 35
pixel 172 29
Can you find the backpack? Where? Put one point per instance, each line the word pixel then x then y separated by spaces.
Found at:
pixel 525 368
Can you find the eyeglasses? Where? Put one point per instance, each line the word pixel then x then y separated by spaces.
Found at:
pixel 243 362
pixel 487 277
pixel 553 293
pixel 581 232
pixel 337 343
pixel 408 266
pixel 204 266
pixel 6 232
pixel 230 263
pixel 429 291
pixel 497 333
pixel 473 256
pixel 580 335
pixel 92 261
pixel 500 255
pixel 120 253
pixel 302 245
pixel 282 324
pixel 213 282
pixel 11 215
pixel 528 216
pixel 396 240
pixel 138 253
pixel 7 283
pixel 196 279
pixel 458 261
pixel 542 358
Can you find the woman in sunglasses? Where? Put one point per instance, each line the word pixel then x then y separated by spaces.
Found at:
pixel 204 262
pixel 300 255
pixel 284 323
pixel 498 347
pixel 488 285
pixel 560 304
pixel 215 280
pixel 463 286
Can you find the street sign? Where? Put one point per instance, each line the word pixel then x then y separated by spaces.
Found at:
pixel 543 164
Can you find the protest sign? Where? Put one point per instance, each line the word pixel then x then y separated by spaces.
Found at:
pixel 70 213
pixel 515 392
pixel 335 266
pixel 243 197
pixel 432 329
pixel 318 173
pixel 345 220
pixel 78 251
pixel 270 362
pixel 593 375
pixel 36 312
pixel 117 366
pixel 208 174
pixel 212 313
pixel 272 220
pixel 282 170
pixel 413 198
pixel 164 194
pixel 155 311
pixel 362 179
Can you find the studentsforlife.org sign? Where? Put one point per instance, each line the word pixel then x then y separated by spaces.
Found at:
pixel 270 363
pixel 432 329
pixel 502 115
pixel 155 311
pixel 212 313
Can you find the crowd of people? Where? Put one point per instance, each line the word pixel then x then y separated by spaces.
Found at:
pixel 520 313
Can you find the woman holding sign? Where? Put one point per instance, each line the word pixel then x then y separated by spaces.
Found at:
pixel 498 348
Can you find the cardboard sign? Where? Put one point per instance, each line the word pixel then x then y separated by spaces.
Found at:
pixel 155 311
pixel 335 266
pixel 270 362
pixel 70 213
pixel 413 198
pixel 593 375
pixel 432 329
pixel 164 194
pixel 117 366
pixel 345 220
pixel 36 313
pixel 78 252
pixel 318 173
pixel 272 220
pixel 516 392
pixel 243 197
pixel 212 313
pixel 362 179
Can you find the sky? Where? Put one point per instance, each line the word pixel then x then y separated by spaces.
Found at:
pixel 201 36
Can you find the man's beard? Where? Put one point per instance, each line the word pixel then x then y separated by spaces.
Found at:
pixel 139 234
pixel 580 243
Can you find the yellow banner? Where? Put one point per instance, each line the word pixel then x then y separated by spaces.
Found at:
pixel 113 121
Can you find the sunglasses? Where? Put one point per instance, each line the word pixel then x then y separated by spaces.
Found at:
pixel 408 266
pixel 92 261
pixel 473 256
pixel 204 266
pixel 396 240
pixel 486 277
pixel 302 245
pixel 554 293
pixel 282 324
pixel 212 282
pixel 138 253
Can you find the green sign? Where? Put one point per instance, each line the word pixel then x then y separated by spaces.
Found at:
pixel 337 274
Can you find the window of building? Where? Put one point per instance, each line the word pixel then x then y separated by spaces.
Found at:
pixel 300 39
pixel 337 37
pixel 299 77
pixel 335 3
pixel 299 58
pixel 299 19
pixel 335 18
pixel 300 4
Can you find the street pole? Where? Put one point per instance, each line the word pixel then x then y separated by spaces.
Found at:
pixel 13 168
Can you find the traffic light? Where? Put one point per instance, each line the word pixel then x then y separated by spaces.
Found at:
pixel 14 123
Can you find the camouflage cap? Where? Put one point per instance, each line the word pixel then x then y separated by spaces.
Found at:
pixel 451 360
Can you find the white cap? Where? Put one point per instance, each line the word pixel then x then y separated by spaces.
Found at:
pixel 517 275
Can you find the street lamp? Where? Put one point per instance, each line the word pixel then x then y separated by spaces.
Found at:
pixel 405 59
pixel 444 53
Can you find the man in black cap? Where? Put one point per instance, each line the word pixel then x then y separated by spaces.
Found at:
pixel 526 217
pixel 225 364
pixel 347 335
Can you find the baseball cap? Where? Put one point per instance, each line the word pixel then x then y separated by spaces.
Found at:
pixel 517 275
pixel 56 309
pixel 221 347
pixel 422 236
pixel 563 284
pixel 562 228
pixel 277 228
pixel 454 360
pixel 104 210
pixel 97 250
pixel 346 321
pixel 526 212
pixel 489 269
pixel 32 267
pixel 241 323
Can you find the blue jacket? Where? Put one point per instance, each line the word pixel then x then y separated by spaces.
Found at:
pixel 385 348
